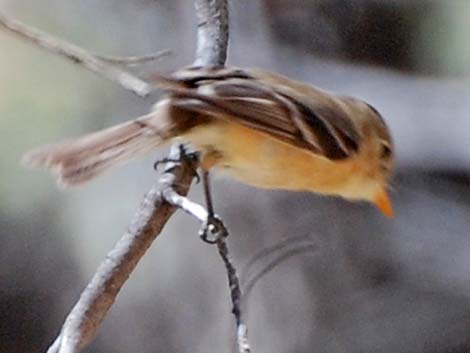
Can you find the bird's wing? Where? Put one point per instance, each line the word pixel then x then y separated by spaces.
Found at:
pixel 318 124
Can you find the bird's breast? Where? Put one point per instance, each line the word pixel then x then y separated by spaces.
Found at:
pixel 257 159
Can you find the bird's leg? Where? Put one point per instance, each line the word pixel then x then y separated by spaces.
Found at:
pixel 213 227
pixel 207 193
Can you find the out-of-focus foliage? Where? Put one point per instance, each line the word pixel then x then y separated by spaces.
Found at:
pixel 369 285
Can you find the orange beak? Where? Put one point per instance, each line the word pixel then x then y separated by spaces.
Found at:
pixel 383 203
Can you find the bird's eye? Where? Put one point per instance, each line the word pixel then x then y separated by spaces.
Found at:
pixel 386 151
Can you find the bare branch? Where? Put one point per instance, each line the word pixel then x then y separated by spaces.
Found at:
pixel 235 295
pixel 77 55
pixel 292 240
pixel 250 282
pixel 200 213
pixel 88 313
pixel 212 32
pixel 194 209
pixel 84 319
pixel 133 60
pixel 212 44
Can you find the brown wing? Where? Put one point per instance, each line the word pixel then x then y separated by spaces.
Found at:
pixel 256 103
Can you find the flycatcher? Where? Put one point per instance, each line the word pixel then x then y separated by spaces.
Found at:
pixel 258 127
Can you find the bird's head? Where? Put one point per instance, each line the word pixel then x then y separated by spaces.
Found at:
pixel 381 158
pixel 375 157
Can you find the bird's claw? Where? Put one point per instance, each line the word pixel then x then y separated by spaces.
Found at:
pixel 164 161
pixel 212 230
pixel 192 156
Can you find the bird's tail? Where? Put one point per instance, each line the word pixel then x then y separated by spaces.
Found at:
pixel 77 161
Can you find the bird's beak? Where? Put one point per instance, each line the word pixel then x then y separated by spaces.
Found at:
pixel 383 203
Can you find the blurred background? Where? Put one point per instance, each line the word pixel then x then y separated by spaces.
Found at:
pixel 343 278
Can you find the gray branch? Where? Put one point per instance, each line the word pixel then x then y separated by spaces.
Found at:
pixel 84 319
pixel 133 60
pixel 212 32
pixel 211 50
pixel 161 201
pixel 79 56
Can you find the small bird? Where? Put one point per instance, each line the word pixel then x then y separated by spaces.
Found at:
pixel 258 127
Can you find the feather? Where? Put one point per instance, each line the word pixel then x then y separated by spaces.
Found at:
pixel 77 161
pixel 316 122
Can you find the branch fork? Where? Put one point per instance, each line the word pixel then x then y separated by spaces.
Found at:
pixel 163 199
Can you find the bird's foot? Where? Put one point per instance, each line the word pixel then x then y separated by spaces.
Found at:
pixel 193 157
pixel 213 229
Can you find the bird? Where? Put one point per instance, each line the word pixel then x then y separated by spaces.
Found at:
pixel 258 127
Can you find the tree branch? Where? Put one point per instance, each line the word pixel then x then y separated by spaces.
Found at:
pixel 95 301
pixel 133 60
pixel 212 44
pixel 79 56
pixel 161 201
pixel 212 32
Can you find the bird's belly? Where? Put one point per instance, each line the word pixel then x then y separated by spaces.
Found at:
pixel 257 159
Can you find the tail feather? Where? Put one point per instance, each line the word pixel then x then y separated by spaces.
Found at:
pixel 77 161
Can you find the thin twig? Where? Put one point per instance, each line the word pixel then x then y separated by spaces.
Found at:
pixel 235 295
pixel 212 44
pixel 203 215
pixel 261 255
pixel 133 60
pixel 281 251
pixel 192 208
pixel 77 55
pixel 250 282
